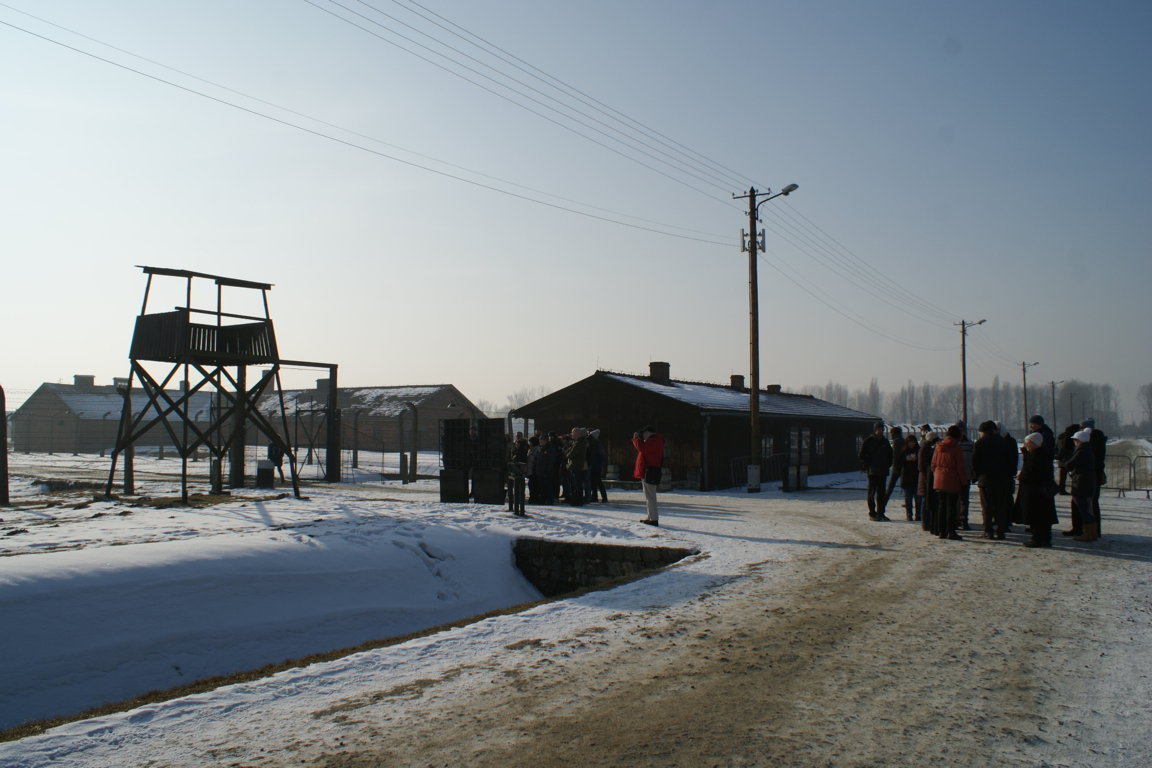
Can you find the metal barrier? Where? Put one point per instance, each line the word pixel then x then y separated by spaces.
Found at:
pixel 1118 474
pixel 1142 474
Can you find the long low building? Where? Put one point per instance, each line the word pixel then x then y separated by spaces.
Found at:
pixel 84 417
pixel 706 427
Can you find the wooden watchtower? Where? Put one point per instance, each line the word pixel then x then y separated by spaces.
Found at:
pixel 206 350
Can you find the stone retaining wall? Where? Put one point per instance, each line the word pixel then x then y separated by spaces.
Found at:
pixel 558 567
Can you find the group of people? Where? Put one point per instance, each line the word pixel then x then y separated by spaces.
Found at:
pixel 565 467
pixel 1016 483
pixel 570 467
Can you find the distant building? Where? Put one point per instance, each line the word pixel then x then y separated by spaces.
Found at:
pixel 706 427
pixel 84 417
pixel 372 418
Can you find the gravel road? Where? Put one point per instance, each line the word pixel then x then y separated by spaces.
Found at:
pixel 879 646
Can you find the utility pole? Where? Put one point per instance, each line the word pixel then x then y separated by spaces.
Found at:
pixel 1024 373
pixel 964 326
pixel 1055 418
pixel 752 243
pixel 755 454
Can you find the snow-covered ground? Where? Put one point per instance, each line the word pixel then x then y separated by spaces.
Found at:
pixel 104 600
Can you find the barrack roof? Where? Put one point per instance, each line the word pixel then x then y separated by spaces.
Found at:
pixel 717 397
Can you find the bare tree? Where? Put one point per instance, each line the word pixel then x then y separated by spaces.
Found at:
pixel 1145 400
pixel 524 396
pixel 487 406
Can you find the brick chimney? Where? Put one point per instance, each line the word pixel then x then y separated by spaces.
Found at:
pixel 83 381
pixel 772 389
pixel 738 381
pixel 322 389
pixel 661 373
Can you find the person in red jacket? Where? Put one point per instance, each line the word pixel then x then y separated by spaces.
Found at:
pixel 649 459
pixel 949 477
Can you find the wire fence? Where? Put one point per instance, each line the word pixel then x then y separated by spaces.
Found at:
pixel 1128 473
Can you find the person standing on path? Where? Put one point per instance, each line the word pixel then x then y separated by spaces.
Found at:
pixel 1082 480
pixel 576 458
pixel 649 461
pixel 993 480
pixel 597 460
pixel 876 459
pixel 910 476
pixel 1099 443
pixel 896 437
pixel 1037 486
pixel 949 476
pixel 924 489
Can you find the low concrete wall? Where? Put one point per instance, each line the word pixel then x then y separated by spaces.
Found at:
pixel 559 567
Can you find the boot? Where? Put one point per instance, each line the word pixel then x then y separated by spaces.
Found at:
pixel 1090 533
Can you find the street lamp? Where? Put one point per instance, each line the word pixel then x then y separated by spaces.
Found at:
pixel 1071 415
pixel 751 244
pixel 964 326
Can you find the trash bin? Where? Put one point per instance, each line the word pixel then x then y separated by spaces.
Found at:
pixel 265 474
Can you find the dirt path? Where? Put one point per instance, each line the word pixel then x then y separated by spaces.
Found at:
pixel 883 647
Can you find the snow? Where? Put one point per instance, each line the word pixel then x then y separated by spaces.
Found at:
pixel 106 600
pixel 103 600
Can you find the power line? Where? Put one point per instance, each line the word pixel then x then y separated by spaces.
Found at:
pixel 510 100
pixel 352 132
pixel 815 294
pixel 572 91
pixel 354 145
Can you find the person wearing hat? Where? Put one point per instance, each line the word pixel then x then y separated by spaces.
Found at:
pixel 1081 467
pixel 993 479
pixel 876 456
pixel 576 462
pixel 649 462
pixel 1036 424
pixel 1099 442
pixel 1037 488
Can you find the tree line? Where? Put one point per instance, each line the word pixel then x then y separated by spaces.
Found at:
pixel 1061 404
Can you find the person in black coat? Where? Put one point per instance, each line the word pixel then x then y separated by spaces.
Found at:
pixel 909 475
pixel 992 479
pixel 876 459
pixel 1082 483
pixel 1037 487
pixel 896 437
pixel 924 489
pixel 1099 443
pixel 1036 424
pixel 1064 448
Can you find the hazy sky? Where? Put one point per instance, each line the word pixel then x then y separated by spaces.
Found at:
pixel 956 160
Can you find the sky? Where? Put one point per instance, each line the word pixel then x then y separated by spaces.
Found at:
pixel 955 162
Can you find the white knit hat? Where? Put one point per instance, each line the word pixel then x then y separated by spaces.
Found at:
pixel 1035 438
pixel 1083 435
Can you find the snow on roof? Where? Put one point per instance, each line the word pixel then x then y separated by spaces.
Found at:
pixel 377 401
pixel 717 397
pixel 105 402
